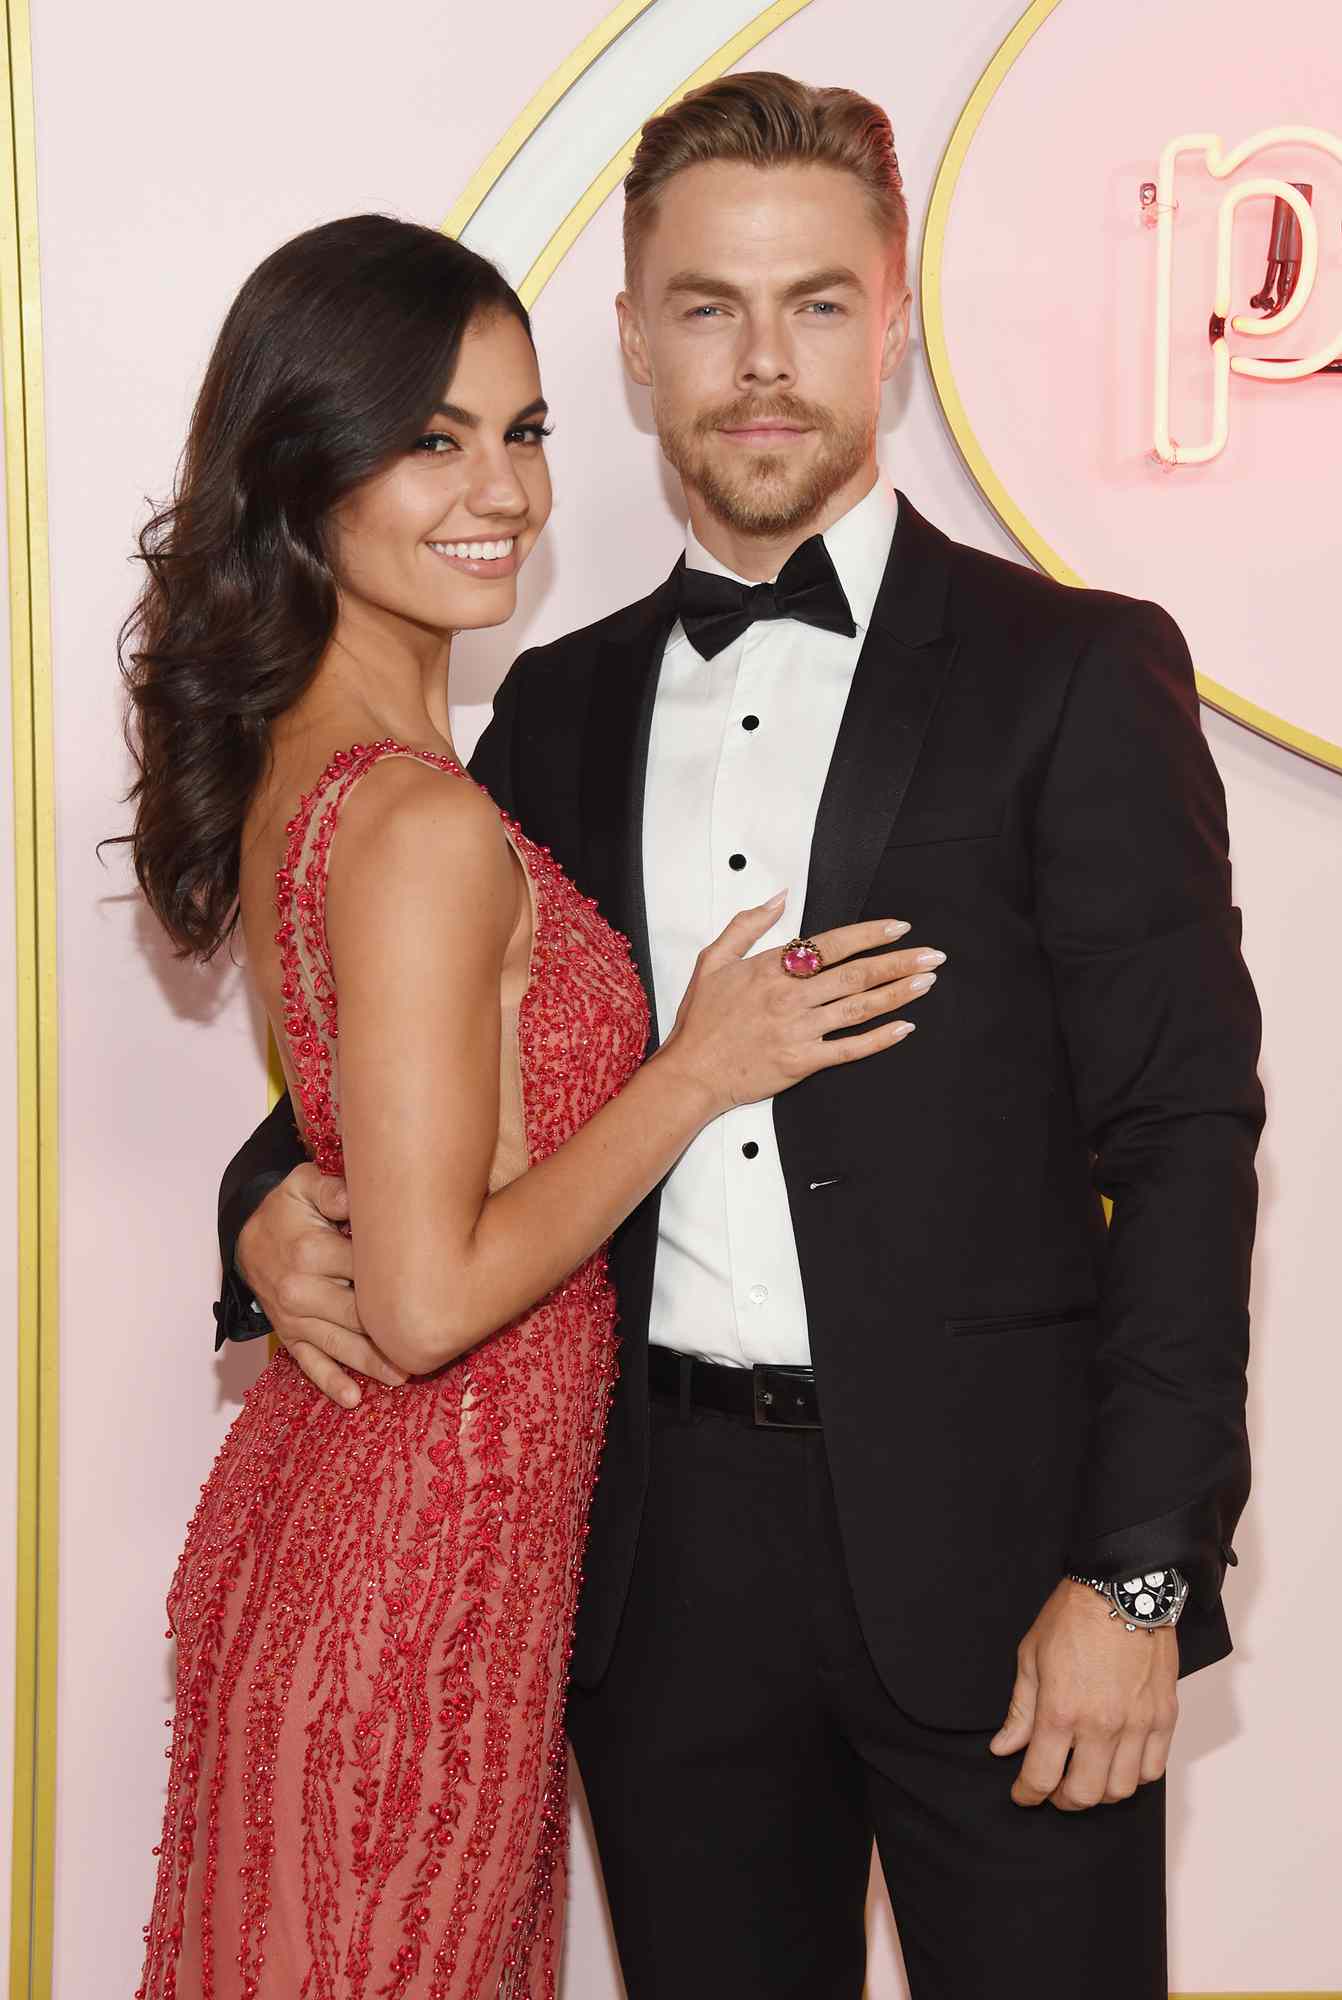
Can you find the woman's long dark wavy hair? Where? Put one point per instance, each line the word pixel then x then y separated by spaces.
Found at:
pixel 332 360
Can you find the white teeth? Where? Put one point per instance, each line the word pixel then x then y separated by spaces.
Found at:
pixel 476 551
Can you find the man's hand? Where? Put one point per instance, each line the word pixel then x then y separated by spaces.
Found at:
pixel 292 1254
pixel 1087 1687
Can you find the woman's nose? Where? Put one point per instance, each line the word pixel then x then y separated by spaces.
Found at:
pixel 499 493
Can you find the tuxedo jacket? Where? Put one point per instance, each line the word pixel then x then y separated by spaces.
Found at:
pixel 1012 1388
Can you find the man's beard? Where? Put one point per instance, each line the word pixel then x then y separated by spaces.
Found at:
pixel 766 497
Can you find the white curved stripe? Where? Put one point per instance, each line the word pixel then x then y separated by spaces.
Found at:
pixel 592 121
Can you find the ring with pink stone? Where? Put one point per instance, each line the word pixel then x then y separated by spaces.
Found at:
pixel 801 959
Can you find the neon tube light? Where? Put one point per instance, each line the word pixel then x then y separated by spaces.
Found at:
pixel 1220 164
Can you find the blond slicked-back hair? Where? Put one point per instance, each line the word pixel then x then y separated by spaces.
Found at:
pixel 763 119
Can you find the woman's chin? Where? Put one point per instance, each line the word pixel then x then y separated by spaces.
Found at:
pixel 493 604
pixel 486 616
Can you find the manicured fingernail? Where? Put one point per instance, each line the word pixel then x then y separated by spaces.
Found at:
pixel 781 897
pixel 349 1397
pixel 905 1029
pixel 897 930
pixel 922 982
pixel 930 958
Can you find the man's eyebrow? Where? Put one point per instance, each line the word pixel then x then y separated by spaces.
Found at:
pixel 834 278
pixel 701 284
pixel 456 415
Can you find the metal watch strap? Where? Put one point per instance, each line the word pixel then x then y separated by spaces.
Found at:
pixel 1106 1590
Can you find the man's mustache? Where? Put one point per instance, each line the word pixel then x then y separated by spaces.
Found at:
pixel 741 414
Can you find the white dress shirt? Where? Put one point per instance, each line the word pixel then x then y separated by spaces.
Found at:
pixel 737 759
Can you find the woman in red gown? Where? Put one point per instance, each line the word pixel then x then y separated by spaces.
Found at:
pixel 373 1610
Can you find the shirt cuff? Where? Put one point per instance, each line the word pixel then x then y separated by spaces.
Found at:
pixel 237 1316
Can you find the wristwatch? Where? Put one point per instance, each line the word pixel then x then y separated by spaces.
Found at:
pixel 1144 1602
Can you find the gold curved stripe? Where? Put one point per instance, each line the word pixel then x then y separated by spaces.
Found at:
pixel 1263 721
pixel 578 217
pixel 32 1874
pixel 1275 727
pixel 540 107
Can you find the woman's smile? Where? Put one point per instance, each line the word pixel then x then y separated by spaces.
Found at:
pixel 493 559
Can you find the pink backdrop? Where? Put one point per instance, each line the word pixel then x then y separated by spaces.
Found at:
pixel 175 149
pixel 1056 375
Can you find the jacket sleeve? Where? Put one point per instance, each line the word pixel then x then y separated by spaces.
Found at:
pixel 1162 1028
pixel 272 1152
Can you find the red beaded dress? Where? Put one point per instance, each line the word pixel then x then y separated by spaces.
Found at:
pixel 366 1793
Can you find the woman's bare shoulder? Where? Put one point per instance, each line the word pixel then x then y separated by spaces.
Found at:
pixel 424 831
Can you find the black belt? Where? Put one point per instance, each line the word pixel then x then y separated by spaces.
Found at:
pixel 773 1398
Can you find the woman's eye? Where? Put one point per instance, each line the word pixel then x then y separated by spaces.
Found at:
pixel 531 433
pixel 434 443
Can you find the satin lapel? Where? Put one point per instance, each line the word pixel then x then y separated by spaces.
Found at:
pixel 615 769
pixel 900 673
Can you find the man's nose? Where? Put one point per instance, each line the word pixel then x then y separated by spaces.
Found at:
pixel 765 360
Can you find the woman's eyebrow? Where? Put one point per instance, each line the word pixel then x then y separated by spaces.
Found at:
pixel 456 415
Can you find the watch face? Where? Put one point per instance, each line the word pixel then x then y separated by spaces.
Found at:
pixel 1149 1597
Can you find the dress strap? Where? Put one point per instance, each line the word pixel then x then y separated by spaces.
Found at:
pixel 311 1025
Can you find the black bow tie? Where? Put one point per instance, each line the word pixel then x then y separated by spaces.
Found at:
pixel 714 609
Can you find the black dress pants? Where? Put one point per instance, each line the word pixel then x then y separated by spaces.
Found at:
pixel 741 1755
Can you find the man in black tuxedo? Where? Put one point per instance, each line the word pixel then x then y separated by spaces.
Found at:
pixel 914 1462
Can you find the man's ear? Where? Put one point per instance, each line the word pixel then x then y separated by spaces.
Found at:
pixel 633 345
pixel 896 333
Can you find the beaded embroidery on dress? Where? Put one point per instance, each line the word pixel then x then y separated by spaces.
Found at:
pixel 374 1608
